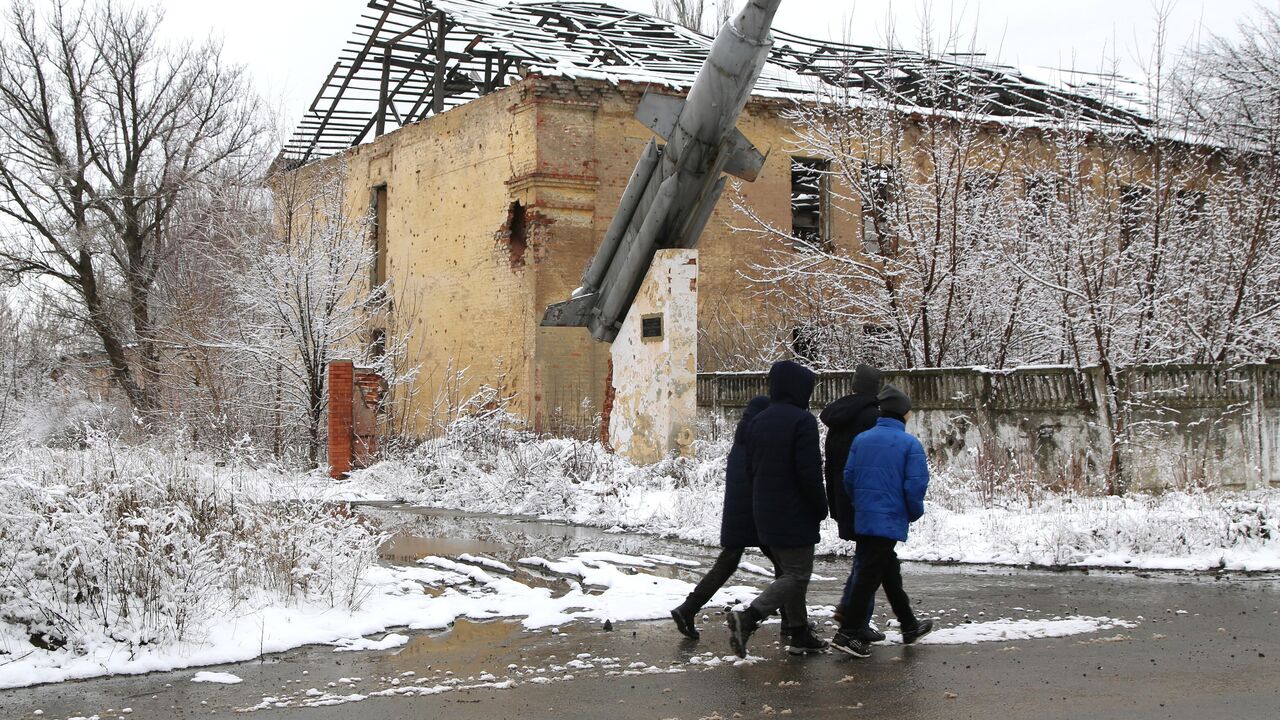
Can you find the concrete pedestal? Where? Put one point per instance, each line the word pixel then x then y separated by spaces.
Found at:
pixel 655 364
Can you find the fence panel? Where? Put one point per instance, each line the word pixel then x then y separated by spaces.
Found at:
pixel 1187 424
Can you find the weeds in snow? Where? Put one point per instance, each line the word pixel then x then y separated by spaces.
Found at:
pixel 141 548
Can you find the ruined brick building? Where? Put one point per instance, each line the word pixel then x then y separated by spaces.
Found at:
pixel 493 141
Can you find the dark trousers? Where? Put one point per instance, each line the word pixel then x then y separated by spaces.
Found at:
pixel 846 598
pixel 879 568
pixel 792 568
pixel 721 570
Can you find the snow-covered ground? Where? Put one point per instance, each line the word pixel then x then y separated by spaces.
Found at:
pixel 581 483
pixel 130 561
pixel 116 560
pixel 597 587
pixel 428 597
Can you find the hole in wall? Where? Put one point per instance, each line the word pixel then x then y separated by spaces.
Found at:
pixel 517 233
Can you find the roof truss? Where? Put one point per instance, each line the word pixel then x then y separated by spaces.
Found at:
pixel 410 59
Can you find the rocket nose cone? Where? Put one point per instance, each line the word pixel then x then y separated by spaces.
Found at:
pixel 756 17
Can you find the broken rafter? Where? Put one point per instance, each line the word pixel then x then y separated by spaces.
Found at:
pixel 431 55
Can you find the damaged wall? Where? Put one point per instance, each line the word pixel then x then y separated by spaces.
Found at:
pixel 655 364
pixel 494 209
pixel 460 290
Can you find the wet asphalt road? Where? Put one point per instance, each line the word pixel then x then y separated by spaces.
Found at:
pixel 1204 647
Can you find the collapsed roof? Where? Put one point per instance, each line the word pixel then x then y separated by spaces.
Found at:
pixel 410 59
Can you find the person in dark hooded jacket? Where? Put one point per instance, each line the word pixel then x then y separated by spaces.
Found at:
pixel 737 525
pixel 845 419
pixel 785 465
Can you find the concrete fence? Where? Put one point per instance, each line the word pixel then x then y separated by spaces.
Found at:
pixel 1184 425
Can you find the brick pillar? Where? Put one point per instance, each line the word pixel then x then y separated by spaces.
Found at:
pixel 341 389
pixel 366 408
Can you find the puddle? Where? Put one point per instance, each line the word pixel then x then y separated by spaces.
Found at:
pixel 468 648
pixel 535 579
pixel 422 532
pixel 406 547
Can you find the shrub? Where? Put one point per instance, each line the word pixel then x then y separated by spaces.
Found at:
pixel 141 547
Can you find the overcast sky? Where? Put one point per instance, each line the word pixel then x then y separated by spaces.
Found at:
pixel 290 45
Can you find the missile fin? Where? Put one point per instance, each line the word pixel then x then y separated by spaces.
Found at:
pixel 660 113
pixel 745 161
pixel 570 313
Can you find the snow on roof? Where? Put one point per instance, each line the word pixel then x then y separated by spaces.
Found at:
pixel 391 74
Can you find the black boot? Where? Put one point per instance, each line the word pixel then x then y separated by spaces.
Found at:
pixel 802 641
pixel 741 625
pixel 684 617
pixel 915 631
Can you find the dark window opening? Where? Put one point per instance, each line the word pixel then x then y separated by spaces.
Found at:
pixel 378 269
pixel 1191 206
pixel 976 182
pixel 377 343
pixel 876 332
pixel 805 343
pixel 1135 204
pixel 979 194
pixel 1043 192
pixel 517 233
pixel 810 198
pixel 651 327
pixel 876 195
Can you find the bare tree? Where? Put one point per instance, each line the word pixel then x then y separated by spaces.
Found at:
pixel 693 14
pixel 922 286
pixel 298 294
pixel 1073 242
pixel 1228 93
pixel 104 133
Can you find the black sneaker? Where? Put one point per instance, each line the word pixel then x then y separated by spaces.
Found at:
pixel 867 633
pixel 851 644
pixel 741 625
pixel 804 642
pixel 871 634
pixel 684 623
pixel 917 631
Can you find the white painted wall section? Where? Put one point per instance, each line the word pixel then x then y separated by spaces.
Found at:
pixel 655 405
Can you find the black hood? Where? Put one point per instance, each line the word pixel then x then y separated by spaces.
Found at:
pixel 791 382
pixel 845 410
pixel 894 402
pixel 754 406
pixel 866 380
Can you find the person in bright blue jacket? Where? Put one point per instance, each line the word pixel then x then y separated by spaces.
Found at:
pixel 887 477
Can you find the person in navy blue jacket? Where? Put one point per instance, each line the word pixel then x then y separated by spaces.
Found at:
pixel 737 525
pixel 887 477
pixel 789 501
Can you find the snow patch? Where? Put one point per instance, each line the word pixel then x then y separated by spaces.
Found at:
pixel 1007 629
pixel 389 641
pixel 578 482
pixel 219 678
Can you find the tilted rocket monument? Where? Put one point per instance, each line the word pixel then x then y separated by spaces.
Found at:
pixel 675 186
